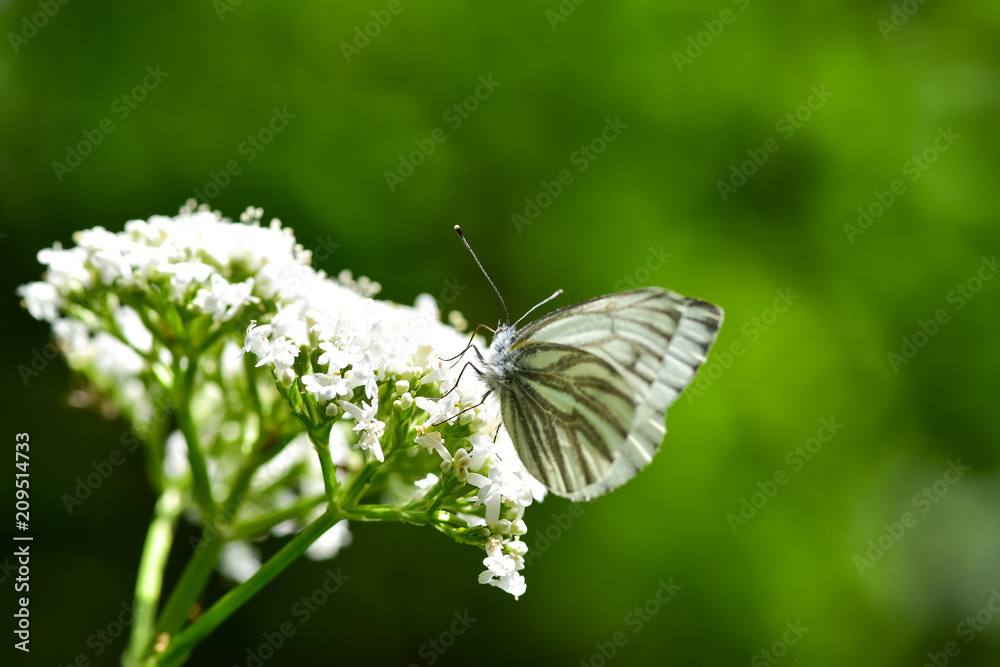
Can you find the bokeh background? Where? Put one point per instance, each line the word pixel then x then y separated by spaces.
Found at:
pixel 700 88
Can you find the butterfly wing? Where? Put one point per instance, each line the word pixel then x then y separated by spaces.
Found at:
pixel 565 410
pixel 592 382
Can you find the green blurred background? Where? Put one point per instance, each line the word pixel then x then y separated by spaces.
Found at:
pixel 655 189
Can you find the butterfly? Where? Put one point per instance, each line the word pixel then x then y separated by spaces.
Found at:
pixel 584 389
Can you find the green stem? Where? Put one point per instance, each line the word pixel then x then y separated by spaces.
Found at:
pixel 251 376
pixel 263 450
pixel 181 645
pixel 211 338
pixel 321 441
pixel 116 331
pixel 149 583
pixel 196 457
pixel 143 308
pixel 356 490
pixel 359 485
pixel 429 497
pixel 189 587
pixel 387 513
pixel 198 570
pixel 263 524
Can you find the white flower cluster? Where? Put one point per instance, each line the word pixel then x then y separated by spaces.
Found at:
pixel 114 297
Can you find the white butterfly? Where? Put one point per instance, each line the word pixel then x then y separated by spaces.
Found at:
pixel 584 390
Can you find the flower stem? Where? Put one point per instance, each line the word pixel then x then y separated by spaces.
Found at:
pixel 262 524
pixel 321 441
pixel 252 389
pixel 180 647
pixel 387 513
pixel 356 490
pixel 199 568
pixel 189 587
pixel 196 457
pixel 149 583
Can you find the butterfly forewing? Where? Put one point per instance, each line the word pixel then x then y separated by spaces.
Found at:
pixel 631 330
pixel 587 411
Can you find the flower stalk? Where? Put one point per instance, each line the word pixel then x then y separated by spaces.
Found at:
pixel 150 580
pixel 342 408
pixel 178 650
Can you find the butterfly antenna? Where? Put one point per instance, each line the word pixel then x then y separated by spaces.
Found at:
pixel 462 236
pixel 537 305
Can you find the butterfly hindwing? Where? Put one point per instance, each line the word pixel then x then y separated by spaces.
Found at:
pixel 633 352
pixel 565 408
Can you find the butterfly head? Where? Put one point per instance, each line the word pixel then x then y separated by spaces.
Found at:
pixel 502 339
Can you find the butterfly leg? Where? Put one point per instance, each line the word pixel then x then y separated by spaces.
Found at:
pixel 471 407
pixel 497 433
pixel 471 338
pixel 468 364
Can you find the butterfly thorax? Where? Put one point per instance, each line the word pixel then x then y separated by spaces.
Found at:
pixel 499 360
